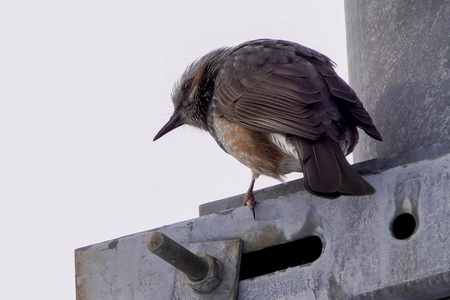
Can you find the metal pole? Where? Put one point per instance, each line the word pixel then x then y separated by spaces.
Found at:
pixel 398 54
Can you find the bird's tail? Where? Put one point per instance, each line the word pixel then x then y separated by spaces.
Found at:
pixel 327 172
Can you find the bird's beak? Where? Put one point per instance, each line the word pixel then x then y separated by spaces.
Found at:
pixel 174 122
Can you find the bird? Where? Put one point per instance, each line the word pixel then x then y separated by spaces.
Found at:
pixel 277 107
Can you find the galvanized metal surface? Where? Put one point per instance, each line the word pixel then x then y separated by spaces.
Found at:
pixel 361 258
pixel 398 59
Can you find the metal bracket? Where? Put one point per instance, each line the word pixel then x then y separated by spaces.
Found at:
pixel 363 255
pixel 212 273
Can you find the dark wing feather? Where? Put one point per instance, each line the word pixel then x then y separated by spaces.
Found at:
pixel 347 97
pixel 271 86
pixel 274 98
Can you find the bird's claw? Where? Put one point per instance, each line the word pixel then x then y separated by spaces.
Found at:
pixel 249 200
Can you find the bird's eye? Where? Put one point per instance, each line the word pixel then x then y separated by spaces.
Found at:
pixel 187 85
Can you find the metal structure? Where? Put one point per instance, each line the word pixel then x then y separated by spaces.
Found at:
pixel 391 245
pixel 399 61
pixel 364 255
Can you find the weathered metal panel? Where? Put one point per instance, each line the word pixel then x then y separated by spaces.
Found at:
pixel 361 258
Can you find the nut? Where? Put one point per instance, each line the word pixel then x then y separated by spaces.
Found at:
pixel 212 279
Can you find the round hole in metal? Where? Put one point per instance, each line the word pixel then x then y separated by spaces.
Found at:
pixel 403 226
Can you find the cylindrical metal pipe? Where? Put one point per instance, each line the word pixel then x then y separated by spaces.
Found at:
pixel 398 54
pixel 193 266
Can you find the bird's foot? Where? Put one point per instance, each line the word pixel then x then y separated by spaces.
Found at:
pixel 249 200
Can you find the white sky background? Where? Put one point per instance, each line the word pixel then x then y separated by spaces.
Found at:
pixel 84 88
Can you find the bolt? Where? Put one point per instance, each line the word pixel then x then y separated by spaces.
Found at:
pixel 203 272
pixel 195 267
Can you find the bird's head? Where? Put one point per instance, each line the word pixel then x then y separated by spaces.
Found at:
pixel 193 92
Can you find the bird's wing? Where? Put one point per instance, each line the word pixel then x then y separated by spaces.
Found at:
pixel 273 87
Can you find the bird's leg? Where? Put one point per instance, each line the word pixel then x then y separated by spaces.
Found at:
pixel 249 198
